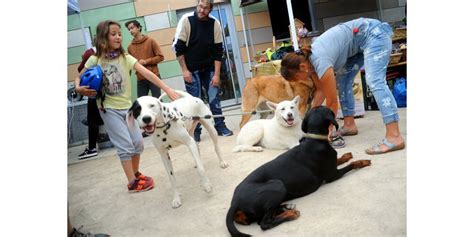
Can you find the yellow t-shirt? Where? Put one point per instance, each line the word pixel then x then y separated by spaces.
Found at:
pixel 116 81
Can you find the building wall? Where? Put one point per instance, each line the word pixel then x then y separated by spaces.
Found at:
pixel 331 12
pixel 158 18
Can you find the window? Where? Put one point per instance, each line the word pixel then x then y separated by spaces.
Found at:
pixel 280 20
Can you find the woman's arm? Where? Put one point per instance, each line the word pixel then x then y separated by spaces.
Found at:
pixel 328 84
pixel 318 95
pixel 155 80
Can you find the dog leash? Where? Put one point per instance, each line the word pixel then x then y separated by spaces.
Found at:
pixel 221 115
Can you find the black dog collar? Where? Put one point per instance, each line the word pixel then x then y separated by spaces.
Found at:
pixel 164 125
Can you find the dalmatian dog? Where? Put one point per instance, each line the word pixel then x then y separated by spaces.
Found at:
pixel 281 132
pixel 170 125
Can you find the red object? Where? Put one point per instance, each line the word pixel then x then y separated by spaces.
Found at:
pixel 355 30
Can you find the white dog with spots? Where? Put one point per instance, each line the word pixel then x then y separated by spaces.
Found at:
pixel 283 131
pixel 170 124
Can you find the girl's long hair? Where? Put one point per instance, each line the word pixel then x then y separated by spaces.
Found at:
pixel 101 38
pixel 290 64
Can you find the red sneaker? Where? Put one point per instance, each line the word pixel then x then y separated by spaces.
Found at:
pixel 139 175
pixel 140 185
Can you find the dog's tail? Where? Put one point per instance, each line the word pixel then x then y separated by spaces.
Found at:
pixel 230 223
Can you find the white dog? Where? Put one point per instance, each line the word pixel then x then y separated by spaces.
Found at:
pixel 283 131
pixel 170 124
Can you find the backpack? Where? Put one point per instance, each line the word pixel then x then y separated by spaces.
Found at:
pixel 399 91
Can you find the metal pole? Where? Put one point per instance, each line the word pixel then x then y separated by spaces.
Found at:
pixel 245 39
pixel 86 39
pixel 292 24
pixel 224 44
pixel 250 36
pixel 380 10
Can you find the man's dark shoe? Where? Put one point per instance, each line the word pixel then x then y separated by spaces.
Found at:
pixel 224 131
pixel 197 137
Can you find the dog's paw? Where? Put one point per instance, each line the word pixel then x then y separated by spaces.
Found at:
pixel 258 148
pixel 289 206
pixel 224 164
pixel 347 156
pixel 207 187
pixel 176 203
pixel 360 163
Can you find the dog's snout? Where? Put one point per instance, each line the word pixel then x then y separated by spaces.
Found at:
pixel 146 119
pixel 290 115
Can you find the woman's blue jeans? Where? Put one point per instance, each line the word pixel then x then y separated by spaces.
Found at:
pixel 375 56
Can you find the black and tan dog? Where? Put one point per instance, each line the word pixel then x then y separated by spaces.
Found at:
pixel 295 173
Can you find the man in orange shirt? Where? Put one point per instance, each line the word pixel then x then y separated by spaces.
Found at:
pixel 148 53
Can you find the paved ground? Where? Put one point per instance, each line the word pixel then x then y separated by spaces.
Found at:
pixel 367 202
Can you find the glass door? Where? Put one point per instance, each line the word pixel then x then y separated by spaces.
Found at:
pixel 232 75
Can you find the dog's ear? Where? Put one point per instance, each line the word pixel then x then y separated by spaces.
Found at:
pixel 330 116
pixel 136 109
pixel 272 105
pixel 304 125
pixel 132 114
pixel 296 100
pixel 130 119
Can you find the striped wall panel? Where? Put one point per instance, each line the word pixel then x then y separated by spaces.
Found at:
pixel 164 36
pixel 255 20
pixel 258 47
pixel 147 7
pixel 75 37
pixel 168 52
pixel 259 36
pixel 257 7
pixel 157 21
pixel 72 72
pixel 93 4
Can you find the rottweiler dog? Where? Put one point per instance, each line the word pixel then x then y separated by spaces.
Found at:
pixel 293 174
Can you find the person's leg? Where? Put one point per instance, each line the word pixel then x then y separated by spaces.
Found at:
pixel 345 80
pixel 215 103
pixel 142 87
pixel 128 143
pixel 93 126
pixel 92 129
pixel 155 90
pixel 194 89
pixel 376 59
pixel 137 141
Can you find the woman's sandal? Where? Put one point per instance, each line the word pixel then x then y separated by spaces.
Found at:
pixel 338 142
pixel 344 132
pixel 375 150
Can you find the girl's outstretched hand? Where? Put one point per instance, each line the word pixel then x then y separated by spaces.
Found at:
pixel 171 94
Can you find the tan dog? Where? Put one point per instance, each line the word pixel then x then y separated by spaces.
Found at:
pixel 276 89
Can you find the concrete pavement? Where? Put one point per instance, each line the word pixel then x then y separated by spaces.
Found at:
pixel 366 202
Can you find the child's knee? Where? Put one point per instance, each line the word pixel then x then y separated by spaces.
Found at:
pixel 139 146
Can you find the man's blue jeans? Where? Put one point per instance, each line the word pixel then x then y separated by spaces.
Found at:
pixel 202 79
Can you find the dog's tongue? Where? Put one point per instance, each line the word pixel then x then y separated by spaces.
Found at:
pixel 149 128
pixel 290 121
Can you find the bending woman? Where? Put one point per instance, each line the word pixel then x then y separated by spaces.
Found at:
pixel 344 49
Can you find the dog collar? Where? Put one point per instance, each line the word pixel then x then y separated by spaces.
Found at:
pixel 316 136
pixel 164 125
